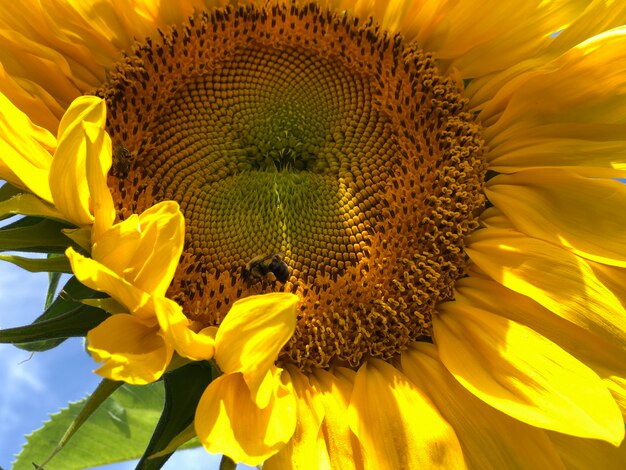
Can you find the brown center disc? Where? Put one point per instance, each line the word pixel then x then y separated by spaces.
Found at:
pixel 309 154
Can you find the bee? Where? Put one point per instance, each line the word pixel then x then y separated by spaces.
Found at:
pixel 261 266
pixel 121 161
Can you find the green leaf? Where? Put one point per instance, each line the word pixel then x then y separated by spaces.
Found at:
pixel 56 264
pixel 183 388
pixel 117 431
pixel 103 391
pixel 34 234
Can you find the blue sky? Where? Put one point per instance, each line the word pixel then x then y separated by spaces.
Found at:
pixel 34 387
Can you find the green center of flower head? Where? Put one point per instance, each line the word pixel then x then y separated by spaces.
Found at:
pixel 309 154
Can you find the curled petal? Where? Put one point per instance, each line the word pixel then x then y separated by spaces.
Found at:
pixel 97 166
pixel 100 278
pixel 116 247
pixel 251 336
pixel 177 329
pixel 68 171
pixel 145 249
pixel 162 236
pixel 132 350
pixel 228 422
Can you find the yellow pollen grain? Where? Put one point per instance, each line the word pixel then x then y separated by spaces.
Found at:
pixel 309 134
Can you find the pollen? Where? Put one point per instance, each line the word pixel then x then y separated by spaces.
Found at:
pixel 312 153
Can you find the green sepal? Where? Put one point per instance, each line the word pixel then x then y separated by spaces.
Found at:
pixel 7 191
pixel 116 431
pixel 48 334
pixel 183 388
pixel 34 234
pixel 30 205
pixel 55 264
pixel 227 463
pixel 53 284
pixel 65 317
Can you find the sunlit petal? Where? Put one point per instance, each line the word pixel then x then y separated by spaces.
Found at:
pixel 397 424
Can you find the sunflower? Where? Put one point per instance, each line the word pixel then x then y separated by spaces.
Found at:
pixel 435 183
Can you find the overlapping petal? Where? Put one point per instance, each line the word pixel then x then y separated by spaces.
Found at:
pixel 564 113
pixel 588 453
pixel 562 208
pixel 302 450
pixel 397 424
pixel 340 444
pixel 102 279
pixel 554 277
pixel 524 375
pixel 98 163
pixel 74 181
pixel 489 438
pixel 481 38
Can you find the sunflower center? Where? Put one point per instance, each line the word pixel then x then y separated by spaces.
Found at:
pixel 309 154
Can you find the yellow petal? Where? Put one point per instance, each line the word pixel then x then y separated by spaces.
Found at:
pixel 68 173
pixel 228 422
pixel 34 100
pixel 481 39
pixel 251 336
pixel 397 425
pixel 489 438
pixel 102 279
pixel 98 163
pixel 302 449
pixel 116 247
pixel 589 454
pixel 521 373
pixel 554 277
pixel 132 351
pixel 583 214
pixel 341 445
pixel 176 328
pixel 25 151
